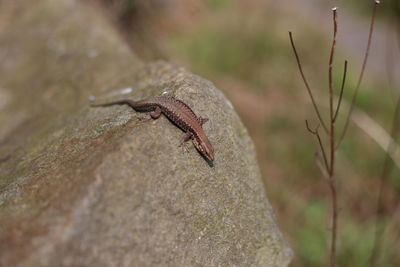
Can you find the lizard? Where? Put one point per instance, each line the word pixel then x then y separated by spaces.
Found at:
pixel 178 113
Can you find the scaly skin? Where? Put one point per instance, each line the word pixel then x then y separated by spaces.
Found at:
pixel 179 113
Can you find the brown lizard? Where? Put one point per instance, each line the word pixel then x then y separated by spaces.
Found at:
pixel 177 112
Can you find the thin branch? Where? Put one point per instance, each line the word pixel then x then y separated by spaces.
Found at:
pixel 341 91
pixel 332 184
pixel 321 166
pixel 316 133
pixel 332 187
pixel 353 100
pixel 306 84
pixel 330 70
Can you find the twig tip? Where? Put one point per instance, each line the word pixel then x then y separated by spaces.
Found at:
pixel 335 8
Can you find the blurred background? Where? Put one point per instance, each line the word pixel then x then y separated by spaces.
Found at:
pixel 243 47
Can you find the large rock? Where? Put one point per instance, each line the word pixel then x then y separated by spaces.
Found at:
pixel 82 186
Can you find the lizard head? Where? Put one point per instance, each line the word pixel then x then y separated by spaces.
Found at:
pixel 204 147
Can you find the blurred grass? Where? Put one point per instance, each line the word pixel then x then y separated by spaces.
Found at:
pixel 257 55
pixel 238 50
pixel 243 47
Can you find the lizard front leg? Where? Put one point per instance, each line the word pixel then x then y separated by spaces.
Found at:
pixel 188 136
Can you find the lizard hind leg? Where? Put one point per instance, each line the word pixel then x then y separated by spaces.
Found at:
pixel 155 114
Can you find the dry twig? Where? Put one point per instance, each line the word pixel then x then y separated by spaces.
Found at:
pixel 321 121
pixel 329 162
